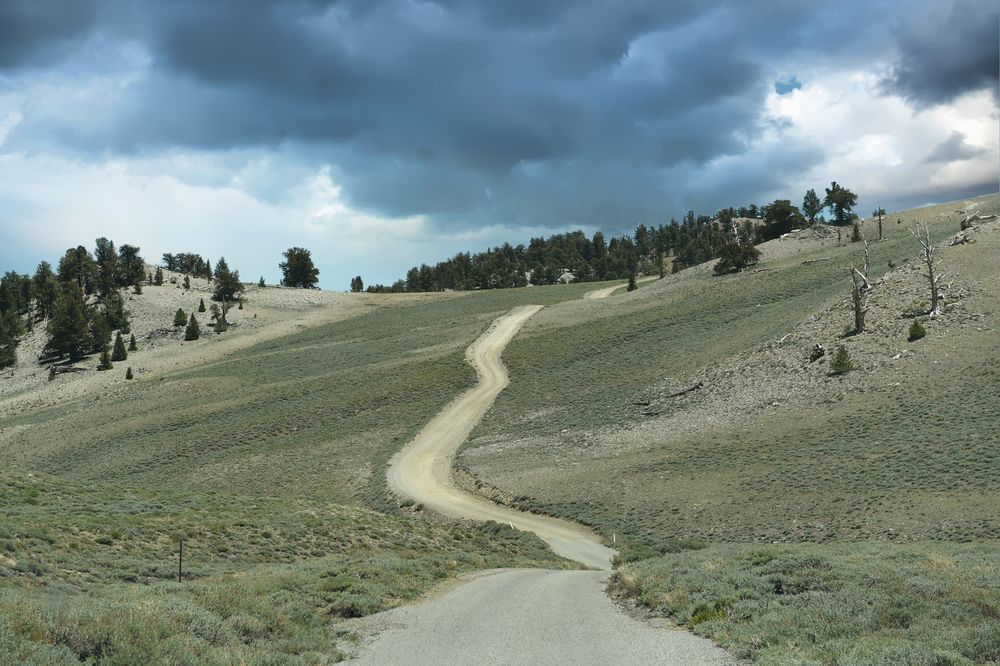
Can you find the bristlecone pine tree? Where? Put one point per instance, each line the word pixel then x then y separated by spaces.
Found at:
pixel 68 330
pixel 193 331
pixel 119 353
pixel 128 373
pixel 632 286
pixel 841 361
pixel 180 318
pixel 158 277
pixel 201 305
pixel 187 282
pixel 131 344
pixel 105 363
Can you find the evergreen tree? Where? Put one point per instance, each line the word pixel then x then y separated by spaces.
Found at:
pixel 180 318
pixel 917 331
pixel 632 286
pixel 100 330
pixel 105 362
pixel 52 372
pixel 201 305
pixel 855 233
pixel 842 201
pixel 8 346
pixel 187 282
pixel 132 346
pixel 298 269
pixel 114 310
pixel 193 331
pixel 137 288
pixel 208 270
pixel 106 259
pixel 357 284
pixel 227 283
pixel 811 206
pixel 158 277
pixel 736 256
pixel 130 266
pixel 68 330
pixel 260 282
pixel 841 361
pixel 221 325
pixel 45 290
pixel 119 353
pixel 128 373
pixel 78 266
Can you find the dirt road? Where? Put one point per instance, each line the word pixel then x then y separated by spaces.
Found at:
pixel 422 470
pixel 607 291
pixel 528 616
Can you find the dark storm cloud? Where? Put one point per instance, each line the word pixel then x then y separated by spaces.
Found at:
pixel 953 149
pixel 939 62
pixel 36 32
pixel 475 112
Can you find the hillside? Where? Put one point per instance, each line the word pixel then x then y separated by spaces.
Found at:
pixel 683 416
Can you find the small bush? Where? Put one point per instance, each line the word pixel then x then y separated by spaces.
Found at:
pixel 128 373
pixel 917 331
pixel 841 361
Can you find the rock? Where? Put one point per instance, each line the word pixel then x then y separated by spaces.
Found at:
pixel 817 353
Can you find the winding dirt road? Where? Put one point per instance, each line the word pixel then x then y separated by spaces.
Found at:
pixel 422 470
pixel 524 616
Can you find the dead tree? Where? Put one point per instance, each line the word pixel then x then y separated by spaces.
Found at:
pixel 879 213
pixel 865 272
pixel 859 295
pixel 933 275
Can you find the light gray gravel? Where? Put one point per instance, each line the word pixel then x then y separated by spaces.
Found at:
pixel 529 616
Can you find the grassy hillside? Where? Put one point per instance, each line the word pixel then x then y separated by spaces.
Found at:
pixel 770 447
pixel 261 461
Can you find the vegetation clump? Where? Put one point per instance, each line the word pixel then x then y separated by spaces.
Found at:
pixel 119 353
pixel 180 318
pixel 193 330
pixel 105 362
pixel 841 362
pixel 298 269
pixel 917 331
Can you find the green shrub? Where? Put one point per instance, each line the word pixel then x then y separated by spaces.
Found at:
pixel 841 361
pixel 917 331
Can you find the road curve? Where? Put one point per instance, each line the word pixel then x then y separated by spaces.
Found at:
pixel 421 471
pixel 528 616
pixel 607 291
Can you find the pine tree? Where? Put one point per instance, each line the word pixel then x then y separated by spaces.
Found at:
pixel 180 318
pixel 128 373
pixel 221 325
pixel 201 305
pixel 131 344
pixel 100 330
pixel 855 233
pixel 811 206
pixel 227 283
pixel 841 361
pixel 917 331
pixel 8 347
pixel 632 286
pixel 119 353
pixel 260 283
pixel 187 282
pixel 105 363
pixel 193 331
pixel 52 372
pixel 298 269
pixel 137 288
pixel 158 277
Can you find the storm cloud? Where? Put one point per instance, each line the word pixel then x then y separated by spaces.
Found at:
pixel 485 115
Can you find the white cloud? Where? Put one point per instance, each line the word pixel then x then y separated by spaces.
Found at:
pixel 877 145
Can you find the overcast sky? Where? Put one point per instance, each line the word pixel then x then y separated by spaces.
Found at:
pixel 384 133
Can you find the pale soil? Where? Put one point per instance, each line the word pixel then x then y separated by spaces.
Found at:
pixel 268 313
pixel 422 470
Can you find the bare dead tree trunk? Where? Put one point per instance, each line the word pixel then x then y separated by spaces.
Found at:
pixel 860 300
pixel 865 272
pixel 923 236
